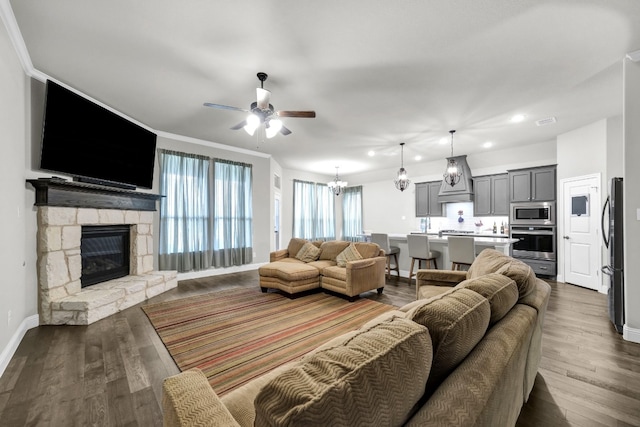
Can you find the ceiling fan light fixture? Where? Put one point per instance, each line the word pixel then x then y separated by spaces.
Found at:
pixel 272 127
pixel 402 181
pixel 260 113
pixel 253 122
pixel 453 173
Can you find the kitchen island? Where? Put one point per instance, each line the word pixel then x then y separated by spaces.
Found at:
pixel 440 244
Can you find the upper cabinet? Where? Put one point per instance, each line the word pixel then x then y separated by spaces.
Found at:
pixel 427 199
pixel 491 195
pixel 533 185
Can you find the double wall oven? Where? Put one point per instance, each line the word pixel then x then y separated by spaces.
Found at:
pixel 533 225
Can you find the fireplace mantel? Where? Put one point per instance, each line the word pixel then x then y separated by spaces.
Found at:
pixel 63 193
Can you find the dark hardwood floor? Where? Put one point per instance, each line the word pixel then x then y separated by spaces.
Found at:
pixel 110 373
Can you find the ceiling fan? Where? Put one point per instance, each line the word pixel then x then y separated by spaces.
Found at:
pixel 262 112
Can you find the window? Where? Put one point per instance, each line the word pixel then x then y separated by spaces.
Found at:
pixel 313 211
pixel 205 217
pixel 352 214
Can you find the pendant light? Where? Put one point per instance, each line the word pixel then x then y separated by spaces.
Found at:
pixel 402 182
pixel 453 172
pixel 337 185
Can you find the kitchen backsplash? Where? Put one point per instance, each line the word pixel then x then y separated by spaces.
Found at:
pixel 455 211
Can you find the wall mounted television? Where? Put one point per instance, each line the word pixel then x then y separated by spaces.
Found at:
pixel 92 144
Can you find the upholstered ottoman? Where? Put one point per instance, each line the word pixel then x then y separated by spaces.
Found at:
pixel 290 277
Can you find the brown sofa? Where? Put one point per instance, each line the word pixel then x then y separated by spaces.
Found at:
pixel 464 357
pixel 300 268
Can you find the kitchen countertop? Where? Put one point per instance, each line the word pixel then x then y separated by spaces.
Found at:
pixel 480 239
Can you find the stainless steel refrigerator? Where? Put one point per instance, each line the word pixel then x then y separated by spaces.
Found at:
pixel 612 234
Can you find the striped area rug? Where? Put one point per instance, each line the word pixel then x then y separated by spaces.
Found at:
pixel 239 334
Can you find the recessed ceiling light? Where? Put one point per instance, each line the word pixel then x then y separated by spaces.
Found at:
pixel 371 153
pixel 517 118
pixel 487 144
pixel 418 158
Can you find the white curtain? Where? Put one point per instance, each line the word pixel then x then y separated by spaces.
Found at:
pixel 352 214
pixel 313 211
pixel 206 216
pixel 233 224
pixel 184 212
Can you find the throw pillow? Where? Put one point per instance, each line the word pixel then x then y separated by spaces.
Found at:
pixel 373 378
pixel 457 320
pixel 308 252
pixel 500 290
pixel 349 254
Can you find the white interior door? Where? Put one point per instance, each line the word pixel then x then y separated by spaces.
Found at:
pixel 581 231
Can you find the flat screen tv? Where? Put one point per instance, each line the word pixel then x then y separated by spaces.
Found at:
pixel 92 144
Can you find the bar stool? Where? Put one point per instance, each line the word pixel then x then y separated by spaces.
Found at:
pixel 462 251
pixel 382 240
pixel 419 250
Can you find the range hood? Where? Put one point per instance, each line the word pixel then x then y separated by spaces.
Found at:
pixel 463 190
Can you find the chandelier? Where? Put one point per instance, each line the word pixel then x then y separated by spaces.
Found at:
pixel 453 173
pixel 337 185
pixel 401 181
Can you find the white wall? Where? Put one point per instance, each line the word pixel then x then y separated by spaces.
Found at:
pixel 631 112
pixel 17 220
pixel 582 152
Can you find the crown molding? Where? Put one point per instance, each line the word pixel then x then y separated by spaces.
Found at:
pixel 10 23
pixel 212 144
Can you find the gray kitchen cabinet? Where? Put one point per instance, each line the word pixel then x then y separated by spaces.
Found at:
pixel 532 185
pixel 427 199
pixel 491 195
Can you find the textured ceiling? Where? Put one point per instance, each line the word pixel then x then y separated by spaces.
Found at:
pixel 377 73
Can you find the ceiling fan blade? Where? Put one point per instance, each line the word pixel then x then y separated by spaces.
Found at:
pixel 263 96
pixel 224 107
pixel 240 125
pixel 284 130
pixel 300 114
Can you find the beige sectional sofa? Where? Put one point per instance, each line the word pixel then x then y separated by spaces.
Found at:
pixel 464 357
pixel 339 266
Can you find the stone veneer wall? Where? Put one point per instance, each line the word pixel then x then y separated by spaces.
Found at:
pixel 62 300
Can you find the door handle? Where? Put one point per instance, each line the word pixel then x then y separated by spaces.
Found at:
pixel 566 237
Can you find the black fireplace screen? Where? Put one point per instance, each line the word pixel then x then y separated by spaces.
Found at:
pixel 105 253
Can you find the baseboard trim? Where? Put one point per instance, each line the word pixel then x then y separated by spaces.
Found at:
pixel 8 352
pixel 218 271
pixel 631 334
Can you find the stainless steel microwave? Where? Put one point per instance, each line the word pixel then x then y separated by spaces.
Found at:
pixel 533 213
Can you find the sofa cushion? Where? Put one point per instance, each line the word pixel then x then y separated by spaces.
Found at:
pixel 457 320
pixel 493 261
pixel 332 248
pixel 498 289
pixel 522 274
pixel 335 272
pixel 372 377
pixel 367 249
pixel 308 252
pixel 295 244
pixel 350 253
pixel 288 270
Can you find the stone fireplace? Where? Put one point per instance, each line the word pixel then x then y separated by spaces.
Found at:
pixel 62 298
